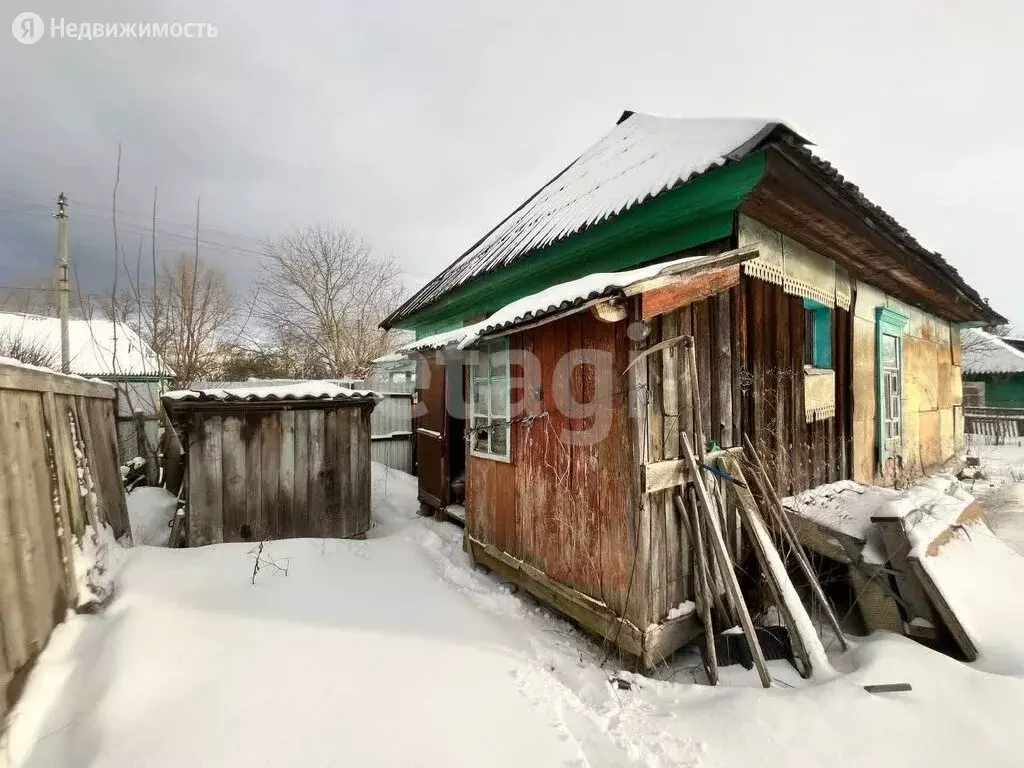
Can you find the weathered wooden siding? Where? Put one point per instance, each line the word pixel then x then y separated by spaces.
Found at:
pixel 800 454
pixel 562 508
pixel 277 473
pixel 52 428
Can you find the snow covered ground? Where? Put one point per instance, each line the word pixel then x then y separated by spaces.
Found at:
pixel 1001 491
pixel 394 651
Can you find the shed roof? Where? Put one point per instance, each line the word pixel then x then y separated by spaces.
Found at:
pixel 307 391
pixel 983 352
pixel 92 345
pixel 640 158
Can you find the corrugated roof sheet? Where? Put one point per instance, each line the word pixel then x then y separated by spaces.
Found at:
pixel 983 352
pixel 640 158
pixel 561 297
pixel 91 343
pixel 891 225
pixel 308 390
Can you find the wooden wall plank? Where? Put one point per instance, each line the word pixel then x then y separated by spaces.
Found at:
pixel 656 435
pixel 300 504
pixel 233 451
pixel 270 467
pixel 318 512
pixel 286 476
pixel 252 438
pixel 723 369
pixel 16 579
pixel 343 472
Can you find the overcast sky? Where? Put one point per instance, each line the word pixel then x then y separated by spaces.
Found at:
pixel 422 124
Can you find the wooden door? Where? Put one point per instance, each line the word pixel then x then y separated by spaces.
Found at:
pixel 432 434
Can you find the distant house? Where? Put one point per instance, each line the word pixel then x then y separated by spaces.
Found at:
pixel 96 351
pixel 820 328
pixel 993 370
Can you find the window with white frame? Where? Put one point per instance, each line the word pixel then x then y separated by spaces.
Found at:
pixel 489 402
pixel 890 325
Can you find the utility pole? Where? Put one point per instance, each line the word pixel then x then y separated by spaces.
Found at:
pixel 63 284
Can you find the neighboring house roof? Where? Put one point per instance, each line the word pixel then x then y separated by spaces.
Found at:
pixel 1014 342
pixel 643 157
pixel 640 158
pixel 983 352
pixel 92 345
pixel 306 391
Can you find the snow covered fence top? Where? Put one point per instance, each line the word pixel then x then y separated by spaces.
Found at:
pixel 568 295
pixel 15 374
pixel 96 347
pixel 306 391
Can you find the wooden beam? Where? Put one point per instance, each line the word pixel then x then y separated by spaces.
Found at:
pixel 589 613
pixel 660 475
pixel 36 380
pixel 689 289
pixel 691 266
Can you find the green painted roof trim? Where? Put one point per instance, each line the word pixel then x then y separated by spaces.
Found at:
pixel 695 213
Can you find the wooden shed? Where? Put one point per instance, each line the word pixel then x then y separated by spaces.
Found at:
pixel 274 462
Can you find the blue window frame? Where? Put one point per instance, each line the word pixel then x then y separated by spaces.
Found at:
pixel 817 334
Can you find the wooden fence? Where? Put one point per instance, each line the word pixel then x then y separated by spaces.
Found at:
pixel 57 438
pixel 391 442
pixel 994 426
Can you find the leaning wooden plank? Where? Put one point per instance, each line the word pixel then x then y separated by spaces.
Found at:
pixel 728 575
pixel 771 566
pixel 956 629
pixel 781 518
pixel 700 588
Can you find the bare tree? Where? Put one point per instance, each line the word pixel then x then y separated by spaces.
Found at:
pixel 26 348
pixel 323 294
pixel 189 316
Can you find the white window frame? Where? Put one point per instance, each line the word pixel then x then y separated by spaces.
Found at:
pixel 481 372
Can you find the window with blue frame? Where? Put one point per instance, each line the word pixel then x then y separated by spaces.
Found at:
pixel 817 334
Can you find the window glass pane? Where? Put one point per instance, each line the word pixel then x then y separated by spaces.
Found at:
pixel 480 397
pixel 482 369
pixel 499 360
pixel 499 438
pixel 480 437
pixel 499 397
pixel 890 351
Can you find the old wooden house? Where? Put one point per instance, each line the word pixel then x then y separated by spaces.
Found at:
pixel 821 330
pixel 278 462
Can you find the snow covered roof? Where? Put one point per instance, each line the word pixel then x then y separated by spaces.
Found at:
pixel 306 391
pixel 558 298
pixel 983 352
pixel 91 343
pixel 640 158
